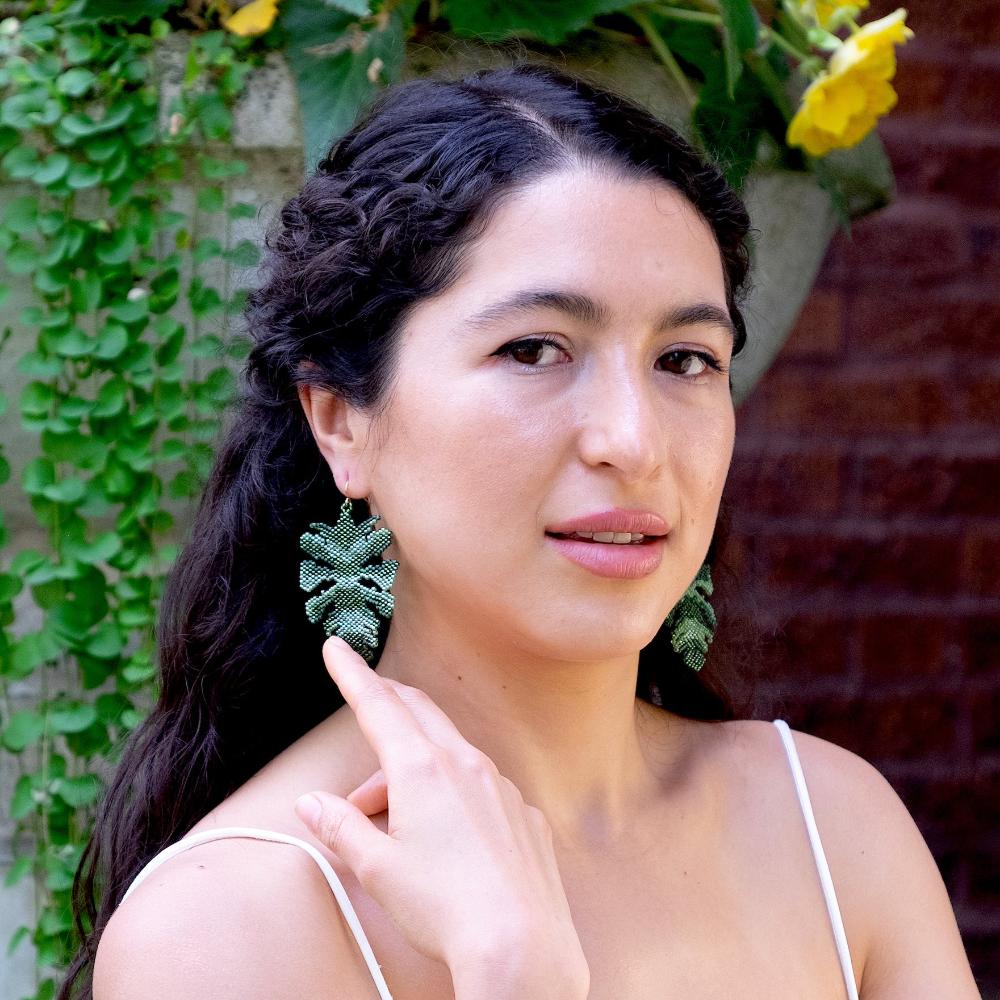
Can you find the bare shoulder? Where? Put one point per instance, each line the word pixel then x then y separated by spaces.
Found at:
pixel 882 869
pixel 231 918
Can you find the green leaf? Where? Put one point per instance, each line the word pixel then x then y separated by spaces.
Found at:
pixel 333 88
pixel 85 175
pixel 75 82
pixel 21 866
pixel 111 397
pixel 111 341
pixel 359 8
pixel 22 258
pixel 67 490
pixel 21 214
pixel 211 199
pixel 85 292
pixel 72 716
pixel 72 343
pixel 205 249
pixel 243 210
pixel 215 169
pixel 37 474
pixel 117 247
pixel 107 545
pixel 31 650
pixel 25 727
pixel 739 33
pixel 244 254
pixel 37 398
pixel 551 23
pixel 106 643
pixel 80 791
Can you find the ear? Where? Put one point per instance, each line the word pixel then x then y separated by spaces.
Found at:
pixel 341 433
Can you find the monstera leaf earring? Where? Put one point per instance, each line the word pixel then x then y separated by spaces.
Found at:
pixel 693 621
pixel 349 593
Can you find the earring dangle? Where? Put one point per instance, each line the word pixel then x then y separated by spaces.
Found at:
pixel 359 592
pixel 692 620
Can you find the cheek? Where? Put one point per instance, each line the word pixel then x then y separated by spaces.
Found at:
pixel 704 452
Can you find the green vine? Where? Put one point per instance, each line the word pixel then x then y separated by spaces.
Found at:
pixel 127 378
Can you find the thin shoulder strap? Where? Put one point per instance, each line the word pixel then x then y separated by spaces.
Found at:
pixel 285 838
pixel 829 893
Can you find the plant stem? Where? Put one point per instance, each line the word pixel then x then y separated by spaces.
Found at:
pixel 660 47
pixel 784 43
pixel 682 14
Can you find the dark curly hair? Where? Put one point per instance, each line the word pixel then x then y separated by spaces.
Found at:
pixel 382 223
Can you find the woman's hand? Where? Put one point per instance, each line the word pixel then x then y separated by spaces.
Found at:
pixel 466 869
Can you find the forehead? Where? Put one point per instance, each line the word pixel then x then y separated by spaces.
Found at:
pixel 638 243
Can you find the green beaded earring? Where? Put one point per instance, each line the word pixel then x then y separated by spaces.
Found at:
pixel 339 556
pixel 693 620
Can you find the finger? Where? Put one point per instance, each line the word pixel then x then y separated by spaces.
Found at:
pixel 371 796
pixel 385 721
pixel 343 828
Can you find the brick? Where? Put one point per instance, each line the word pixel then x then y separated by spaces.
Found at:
pixel 905 564
pixel 985 710
pixel 976 96
pixel 808 645
pixel 979 401
pixel 981 561
pixel 957 162
pixel 914 325
pixel 961 23
pixel 979 636
pixel 959 810
pixel 901 727
pixel 838 401
pixel 909 243
pixel 786 484
pixel 984 957
pixel 924 80
pixel 891 485
pixel 817 330
pixel 894 647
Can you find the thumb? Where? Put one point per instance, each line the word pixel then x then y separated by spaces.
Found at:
pixel 342 827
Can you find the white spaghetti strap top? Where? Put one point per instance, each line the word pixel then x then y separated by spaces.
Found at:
pixel 832 906
pixel 339 892
pixel 285 838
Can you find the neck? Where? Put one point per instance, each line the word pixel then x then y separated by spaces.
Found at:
pixel 570 735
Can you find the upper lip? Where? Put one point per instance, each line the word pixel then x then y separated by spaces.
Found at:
pixel 644 522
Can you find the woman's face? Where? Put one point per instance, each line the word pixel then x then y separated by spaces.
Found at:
pixel 479 452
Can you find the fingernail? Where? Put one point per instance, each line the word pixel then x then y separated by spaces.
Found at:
pixel 309 809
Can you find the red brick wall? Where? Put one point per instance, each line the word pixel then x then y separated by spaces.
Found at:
pixel 866 481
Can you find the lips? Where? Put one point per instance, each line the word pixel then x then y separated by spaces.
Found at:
pixel 618 519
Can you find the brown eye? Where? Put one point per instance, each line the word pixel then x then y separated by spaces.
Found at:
pixel 520 350
pixel 683 359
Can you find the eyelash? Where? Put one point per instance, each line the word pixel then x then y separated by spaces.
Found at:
pixel 713 363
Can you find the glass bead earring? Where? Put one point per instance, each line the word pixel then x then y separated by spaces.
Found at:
pixel 692 620
pixel 357 592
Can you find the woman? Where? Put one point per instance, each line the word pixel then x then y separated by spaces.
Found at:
pixel 500 306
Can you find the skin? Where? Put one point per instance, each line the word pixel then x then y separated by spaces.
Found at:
pixel 680 844
pixel 533 657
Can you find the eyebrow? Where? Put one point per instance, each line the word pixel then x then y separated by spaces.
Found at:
pixel 593 313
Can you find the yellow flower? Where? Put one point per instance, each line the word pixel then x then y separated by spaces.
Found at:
pixel 841 106
pixel 253 18
pixel 822 10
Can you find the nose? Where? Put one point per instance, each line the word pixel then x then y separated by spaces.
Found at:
pixel 621 424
